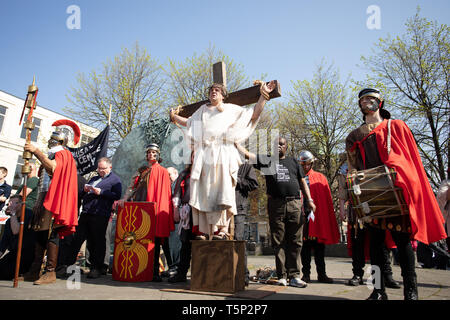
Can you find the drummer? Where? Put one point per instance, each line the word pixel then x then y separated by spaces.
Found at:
pixel 367 147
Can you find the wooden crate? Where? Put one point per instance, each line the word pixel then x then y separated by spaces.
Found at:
pixel 218 266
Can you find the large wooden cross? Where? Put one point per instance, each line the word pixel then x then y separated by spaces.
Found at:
pixel 241 97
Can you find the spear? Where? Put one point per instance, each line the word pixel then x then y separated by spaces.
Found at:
pixel 30 103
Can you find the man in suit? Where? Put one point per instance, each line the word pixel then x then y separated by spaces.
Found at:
pixel 98 196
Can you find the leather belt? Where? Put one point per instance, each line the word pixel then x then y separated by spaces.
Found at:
pixel 290 198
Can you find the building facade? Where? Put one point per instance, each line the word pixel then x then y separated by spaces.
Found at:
pixel 12 136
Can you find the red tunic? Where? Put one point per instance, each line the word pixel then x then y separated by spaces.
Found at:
pixel 324 227
pixel 159 191
pixel 62 195
pixel 427 223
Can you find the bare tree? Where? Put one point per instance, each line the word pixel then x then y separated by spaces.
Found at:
pixel 189 80
pixel 318 117
pixel 131 83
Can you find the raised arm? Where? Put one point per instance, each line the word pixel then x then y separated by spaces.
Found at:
pixel 175 118
pixel 265 89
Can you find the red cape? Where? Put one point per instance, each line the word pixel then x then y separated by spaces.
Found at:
pixel 62 195
pixel 324 227
pixel 427 223
pixel 159 181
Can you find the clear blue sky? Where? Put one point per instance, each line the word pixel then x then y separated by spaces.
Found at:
pixel 284 39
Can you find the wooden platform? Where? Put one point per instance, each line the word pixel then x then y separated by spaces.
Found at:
pixel 254 291
pixel 218 266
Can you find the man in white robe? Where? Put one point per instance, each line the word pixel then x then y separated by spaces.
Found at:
pixel 212 131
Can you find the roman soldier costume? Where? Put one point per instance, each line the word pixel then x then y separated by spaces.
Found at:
pixel 56 208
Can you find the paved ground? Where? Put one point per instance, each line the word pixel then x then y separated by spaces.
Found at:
pixel 433 285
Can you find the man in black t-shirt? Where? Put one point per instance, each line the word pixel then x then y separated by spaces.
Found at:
pixel 284 181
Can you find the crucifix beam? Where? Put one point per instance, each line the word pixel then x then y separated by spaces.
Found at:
pixel 220 73
pixel 241 98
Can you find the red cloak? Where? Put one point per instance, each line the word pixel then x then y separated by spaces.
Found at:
pixel 324 227
pixel 62 195
pixel 159 190
pixel 427 223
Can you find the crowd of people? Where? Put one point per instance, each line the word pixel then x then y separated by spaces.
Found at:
pixel 209 200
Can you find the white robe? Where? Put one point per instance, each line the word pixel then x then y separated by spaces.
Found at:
pixel 216 162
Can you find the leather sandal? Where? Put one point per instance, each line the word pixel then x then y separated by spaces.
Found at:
pixel 221 236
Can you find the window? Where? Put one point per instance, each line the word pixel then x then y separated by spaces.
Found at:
pixel 18 176
pixel 85 139
pixel 35 132
pixel 2 116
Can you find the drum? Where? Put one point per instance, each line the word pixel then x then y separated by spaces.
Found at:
pixel 374 196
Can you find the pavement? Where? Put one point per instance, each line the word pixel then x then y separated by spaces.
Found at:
pixel 433 284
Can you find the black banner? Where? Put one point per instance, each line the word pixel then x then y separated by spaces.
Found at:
pixel 86 157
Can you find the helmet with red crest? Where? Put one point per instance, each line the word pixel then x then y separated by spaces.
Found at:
pixel 64 128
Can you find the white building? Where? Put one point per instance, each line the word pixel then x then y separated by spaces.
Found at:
pixel 12 136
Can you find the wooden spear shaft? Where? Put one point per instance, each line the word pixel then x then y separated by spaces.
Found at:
pixel 30 103
pixel 19 245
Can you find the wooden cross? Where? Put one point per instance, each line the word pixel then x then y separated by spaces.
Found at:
pixel 241 97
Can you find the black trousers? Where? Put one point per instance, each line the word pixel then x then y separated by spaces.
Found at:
pixel 239 234
pixel 186 236
pixel 285 221
pixel 185 251
pixel 405 253
pixel 319 257
pixel 164 242
pixel 359 238
pixel 92 228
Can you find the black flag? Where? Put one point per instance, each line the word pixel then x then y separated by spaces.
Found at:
pixel 86 157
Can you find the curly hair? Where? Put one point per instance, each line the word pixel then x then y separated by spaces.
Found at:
pixel 223 90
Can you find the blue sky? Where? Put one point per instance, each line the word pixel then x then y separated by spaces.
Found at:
pixel 284 39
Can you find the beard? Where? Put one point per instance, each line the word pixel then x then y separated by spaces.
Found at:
pixel 372 107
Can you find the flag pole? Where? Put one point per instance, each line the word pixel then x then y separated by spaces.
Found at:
pixel 109 115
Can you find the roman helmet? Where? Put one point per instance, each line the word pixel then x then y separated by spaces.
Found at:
pixel 61 133
pixel 153 146
pixel 306 157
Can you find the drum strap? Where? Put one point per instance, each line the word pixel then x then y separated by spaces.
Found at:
pixel 359 144
pixel 389 137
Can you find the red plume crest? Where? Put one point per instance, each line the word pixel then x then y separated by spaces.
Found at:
pixel 71 124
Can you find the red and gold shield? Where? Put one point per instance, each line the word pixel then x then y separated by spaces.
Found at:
pixel 134 242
